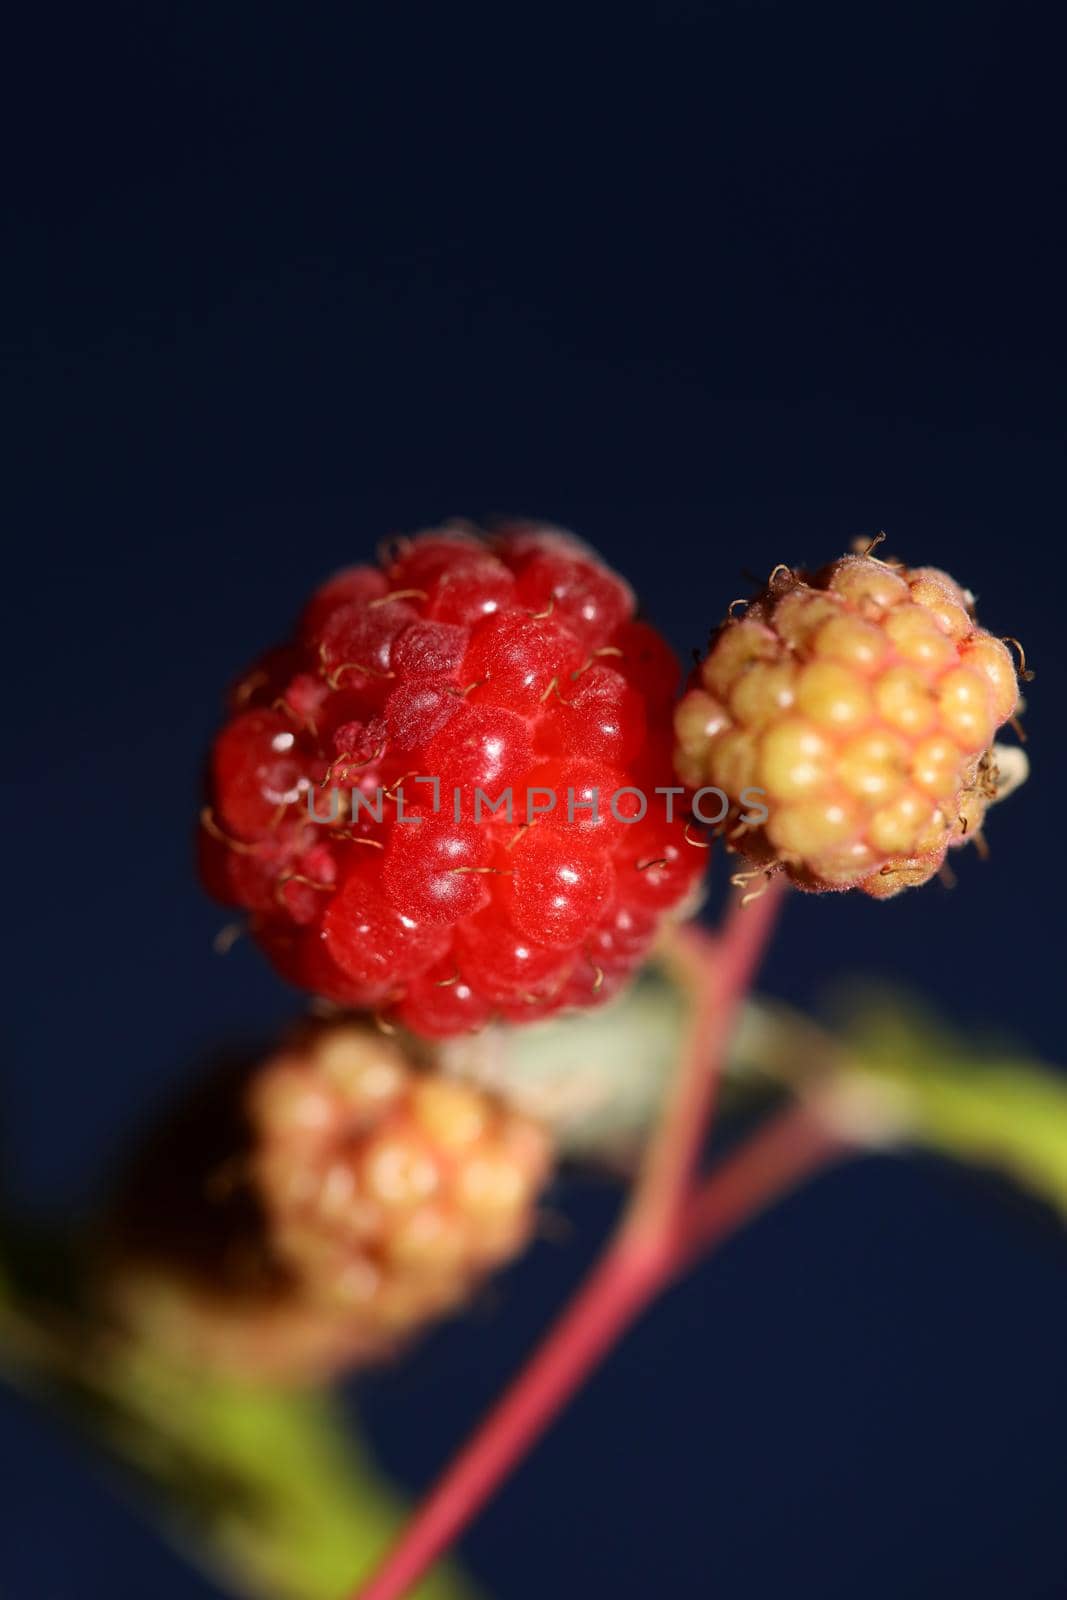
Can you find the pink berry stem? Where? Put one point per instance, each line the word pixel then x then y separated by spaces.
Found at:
pixel 615 1290
pixel 719 970
pixel 773 1161
pixel 655 1238
pixel 768 1166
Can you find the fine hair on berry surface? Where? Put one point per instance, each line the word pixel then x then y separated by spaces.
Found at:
pixel 863 701
pixel 429 800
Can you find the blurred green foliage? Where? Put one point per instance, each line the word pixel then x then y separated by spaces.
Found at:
pixel 269 1488
pixel 989 1104
pixel 271 1482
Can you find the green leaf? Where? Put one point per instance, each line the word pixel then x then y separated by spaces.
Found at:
pixel 266 1488
pixel 996 1107
pixel 271 1483
pixel 893 1074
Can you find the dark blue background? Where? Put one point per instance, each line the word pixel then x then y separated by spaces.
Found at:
pixel 718 286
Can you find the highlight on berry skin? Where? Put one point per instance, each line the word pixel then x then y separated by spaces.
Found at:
pixel 864 700
pixel 313 1211
pixel 350 790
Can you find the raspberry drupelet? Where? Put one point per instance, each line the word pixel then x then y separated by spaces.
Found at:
pixel 351 791
pixel 863 701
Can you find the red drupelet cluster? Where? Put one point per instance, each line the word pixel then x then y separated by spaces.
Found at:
pixel 510 666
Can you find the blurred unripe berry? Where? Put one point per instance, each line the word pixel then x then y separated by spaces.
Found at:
pixel 388 1191
pixel 315 1211
pixel 863 702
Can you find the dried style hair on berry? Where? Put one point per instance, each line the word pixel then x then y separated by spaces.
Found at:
pixel 863 701
pixel 351 793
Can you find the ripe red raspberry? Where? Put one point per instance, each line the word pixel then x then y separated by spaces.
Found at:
pixel 862 701
pixel 511 664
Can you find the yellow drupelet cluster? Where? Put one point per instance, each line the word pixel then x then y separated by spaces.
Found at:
pixel 863 700
pixel 388 1191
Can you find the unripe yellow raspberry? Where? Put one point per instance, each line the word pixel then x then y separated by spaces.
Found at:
pixel 309 1213
pixel 388 1191
pixel 863 702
